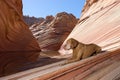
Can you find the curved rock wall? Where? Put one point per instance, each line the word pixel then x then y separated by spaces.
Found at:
pixel 15 38
pixel 14 33
pixel 99 24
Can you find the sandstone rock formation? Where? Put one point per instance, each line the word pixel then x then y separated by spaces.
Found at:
pixel 32 20
pixel 99 24
pixel 104 66
pixel 15 36
pixel 53 31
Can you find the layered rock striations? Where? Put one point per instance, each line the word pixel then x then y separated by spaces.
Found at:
pixel 99 24
pixel 15 36
pixel 53 31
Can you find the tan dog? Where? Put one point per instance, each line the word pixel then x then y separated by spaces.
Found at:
pixel 80 50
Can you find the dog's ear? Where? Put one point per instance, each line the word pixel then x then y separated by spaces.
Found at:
pixel 74 43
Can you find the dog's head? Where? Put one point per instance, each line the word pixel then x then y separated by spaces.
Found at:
pixel 71 44
pixel 98 49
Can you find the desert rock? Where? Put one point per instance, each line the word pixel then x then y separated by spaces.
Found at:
pixel 32 20
pixel 99 24
pixel 53 31
pixel 15 37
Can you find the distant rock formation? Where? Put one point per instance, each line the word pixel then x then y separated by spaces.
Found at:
pixel 32 20
pixel 15 36
pixel 53 31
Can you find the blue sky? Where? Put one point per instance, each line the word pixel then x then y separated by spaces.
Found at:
pixel 42 8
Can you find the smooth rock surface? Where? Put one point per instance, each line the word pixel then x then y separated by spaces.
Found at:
pixel 14 33
pixel 99 24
